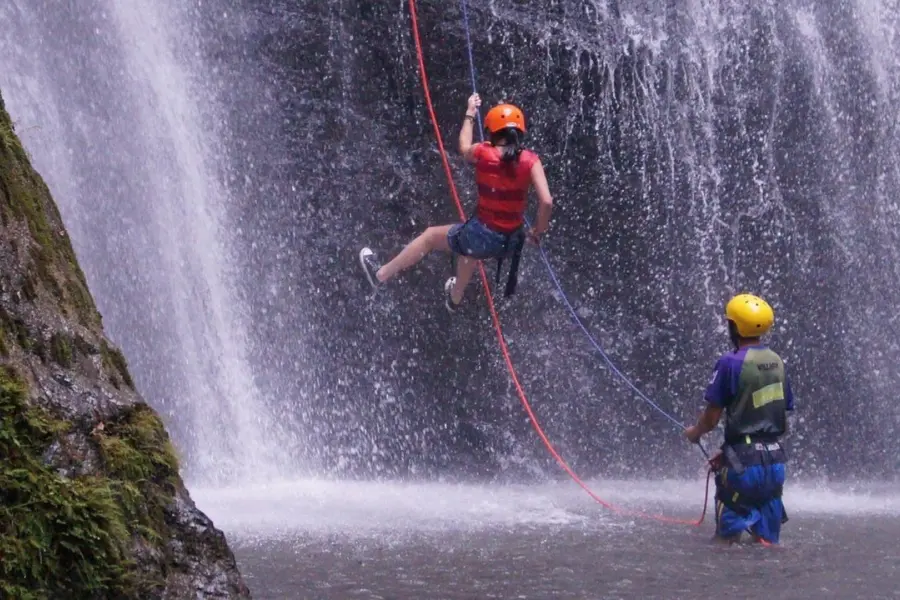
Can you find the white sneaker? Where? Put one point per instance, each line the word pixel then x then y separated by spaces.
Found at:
pixel 370 266
pixel 448 288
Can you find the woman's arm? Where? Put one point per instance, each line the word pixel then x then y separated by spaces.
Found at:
pixel 466 147
pixel 545 200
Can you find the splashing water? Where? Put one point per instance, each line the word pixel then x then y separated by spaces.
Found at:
pixel 218 166
pixel 112 107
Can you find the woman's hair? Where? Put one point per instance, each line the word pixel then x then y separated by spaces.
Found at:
pixel 512 148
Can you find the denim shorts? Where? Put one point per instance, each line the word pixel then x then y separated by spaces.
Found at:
pixel 475 240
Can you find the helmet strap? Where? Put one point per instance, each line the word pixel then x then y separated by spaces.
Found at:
pixel 733 335
pixel 737 340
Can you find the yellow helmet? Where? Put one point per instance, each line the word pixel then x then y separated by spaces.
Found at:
pixel 752 316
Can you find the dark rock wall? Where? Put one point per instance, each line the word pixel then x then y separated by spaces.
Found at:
pixel 91 501
pixel 693 153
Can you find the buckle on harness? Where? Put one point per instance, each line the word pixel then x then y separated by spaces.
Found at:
pixel 760 447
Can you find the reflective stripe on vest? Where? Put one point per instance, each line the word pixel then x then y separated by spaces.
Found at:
pixel 502 188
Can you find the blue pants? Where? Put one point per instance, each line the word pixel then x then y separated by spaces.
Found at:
pixel 475 240
pixel 763 515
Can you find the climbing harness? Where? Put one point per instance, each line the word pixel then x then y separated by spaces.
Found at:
pixel 493 311
pixel 735 458
pixel 515 242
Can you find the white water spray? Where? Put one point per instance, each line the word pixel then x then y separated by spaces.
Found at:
pixel 159 121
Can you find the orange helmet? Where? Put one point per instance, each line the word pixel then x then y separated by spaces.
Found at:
pixel 504 115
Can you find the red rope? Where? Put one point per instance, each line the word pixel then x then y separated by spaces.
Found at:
pixel 496 319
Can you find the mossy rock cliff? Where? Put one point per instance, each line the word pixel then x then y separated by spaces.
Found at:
pixel 91 501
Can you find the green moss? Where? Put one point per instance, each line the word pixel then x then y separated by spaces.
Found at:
pixel 71 537
pixel 115 362
pixel 138 453
pixel 140 458
pixel 26 204
pixel 59 537
pixel 26 197
pixel 8 137
pixel 78 296
pixel 16 329
pixel 61 349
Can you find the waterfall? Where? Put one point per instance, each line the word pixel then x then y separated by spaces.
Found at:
pixel 113 105
pixel 695 149
pixel 219 167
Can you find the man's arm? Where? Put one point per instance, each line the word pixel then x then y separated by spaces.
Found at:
pixel 545 200
pixel 708 421
pixel 718 395
pixel 788 395
pixel 788 404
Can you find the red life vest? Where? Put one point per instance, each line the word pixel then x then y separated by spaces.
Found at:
pixel 502 187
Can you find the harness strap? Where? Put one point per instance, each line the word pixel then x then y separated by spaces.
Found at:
pixel 512 247
pixel 514 266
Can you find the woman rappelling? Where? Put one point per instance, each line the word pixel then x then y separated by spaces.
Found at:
pixel 504 173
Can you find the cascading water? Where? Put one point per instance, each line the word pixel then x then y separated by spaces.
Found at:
pixel 111 102
pixel 219 167
pixel 695 149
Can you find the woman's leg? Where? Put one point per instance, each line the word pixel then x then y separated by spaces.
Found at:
pixel 433 238
pixel 464 269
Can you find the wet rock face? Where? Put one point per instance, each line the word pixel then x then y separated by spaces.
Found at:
pixel 91 501
pixel 694 151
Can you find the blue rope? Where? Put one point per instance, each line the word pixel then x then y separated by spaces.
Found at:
pixel 550 270
pixel 465 12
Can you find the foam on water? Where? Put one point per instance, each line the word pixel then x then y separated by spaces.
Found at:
pixel 368 507
pixel 365 506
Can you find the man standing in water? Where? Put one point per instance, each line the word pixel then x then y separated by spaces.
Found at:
pixel 750 385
